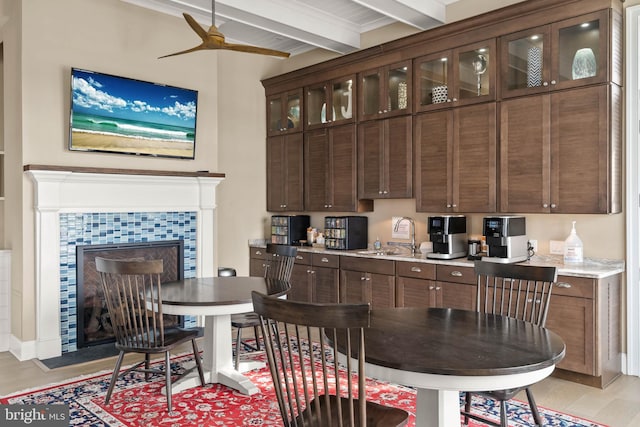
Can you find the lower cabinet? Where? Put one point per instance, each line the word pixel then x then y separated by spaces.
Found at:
pixel 368 280
pixel 257 261
pixel 586 314
pixel 315 278
pixel 457 286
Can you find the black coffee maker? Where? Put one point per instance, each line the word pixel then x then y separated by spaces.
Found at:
pixel 448 233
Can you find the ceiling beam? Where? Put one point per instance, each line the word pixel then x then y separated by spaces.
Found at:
pixel 421 14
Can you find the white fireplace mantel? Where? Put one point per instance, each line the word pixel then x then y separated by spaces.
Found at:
pixel 58 190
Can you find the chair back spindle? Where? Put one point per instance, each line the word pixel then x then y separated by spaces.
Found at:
pixel 280 264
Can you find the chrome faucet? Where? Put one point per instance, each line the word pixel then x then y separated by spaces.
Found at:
pixel 413 247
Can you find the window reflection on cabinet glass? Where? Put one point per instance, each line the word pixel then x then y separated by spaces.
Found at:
pixel 342 100
pixel 526 62
pixel 578 51
pixel 397 89
pixel 473 72
pixel 433 81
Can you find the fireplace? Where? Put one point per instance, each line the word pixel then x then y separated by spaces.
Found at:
pixel 76 206
pixel 94 325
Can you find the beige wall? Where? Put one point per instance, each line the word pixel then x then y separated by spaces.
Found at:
pixel 44 38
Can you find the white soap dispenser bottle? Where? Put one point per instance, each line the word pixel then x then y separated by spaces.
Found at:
pixel 573 249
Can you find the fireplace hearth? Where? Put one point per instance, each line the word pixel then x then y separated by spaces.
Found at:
pixel 94 324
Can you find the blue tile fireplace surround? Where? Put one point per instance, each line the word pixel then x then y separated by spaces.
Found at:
pixel 105 228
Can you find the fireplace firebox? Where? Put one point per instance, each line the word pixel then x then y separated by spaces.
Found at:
pixel 94 325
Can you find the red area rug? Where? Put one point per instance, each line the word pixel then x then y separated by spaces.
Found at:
pixel 138 403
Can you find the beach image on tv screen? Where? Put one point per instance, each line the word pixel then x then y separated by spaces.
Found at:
pixel 117 114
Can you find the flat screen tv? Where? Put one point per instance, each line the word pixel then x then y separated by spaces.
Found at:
pixel 122 115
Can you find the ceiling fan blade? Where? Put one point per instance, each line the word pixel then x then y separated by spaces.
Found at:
pixel 193 49
pixel 195 26
pixel 255 49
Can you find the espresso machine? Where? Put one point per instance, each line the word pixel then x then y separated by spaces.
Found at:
pixel 506 239
pixel 448 233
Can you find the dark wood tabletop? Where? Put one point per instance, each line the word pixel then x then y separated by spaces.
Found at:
pixel 210 291
pixel 458 342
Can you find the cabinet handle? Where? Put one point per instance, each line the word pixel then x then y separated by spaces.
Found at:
pixel 416 269
pixel 309 271
pixel 563 285
pixel 531 300
pixel 455 99
pixel 448 205
pixel 363 278
pixel 258 253
pixel 299 257
pixel 324 259
pixel 456 273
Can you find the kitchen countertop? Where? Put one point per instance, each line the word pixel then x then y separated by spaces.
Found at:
pixel 595 268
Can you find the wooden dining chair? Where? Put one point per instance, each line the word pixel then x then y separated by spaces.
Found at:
pixel 311 389
pixel 279 265
pixel 519 291
pixel 133 295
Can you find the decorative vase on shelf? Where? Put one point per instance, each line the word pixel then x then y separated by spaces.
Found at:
pixel 534 67
pixel 584 64
pixel 402 95
pixel 439 94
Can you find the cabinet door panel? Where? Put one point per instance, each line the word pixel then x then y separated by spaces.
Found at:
pixel 300 284
pixel 353 287
pixel 326 285
pixel 398 167
pixel 382 290
pixel 524 154
pixel 343 168
pixel 370 159
pixel 474 158
pixel 415 292
pixel 432 134
pixel 579 151
pixel 457 295
pixel 572 319
pixel 316 169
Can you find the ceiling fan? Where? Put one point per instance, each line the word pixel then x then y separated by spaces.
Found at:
pixel 214 39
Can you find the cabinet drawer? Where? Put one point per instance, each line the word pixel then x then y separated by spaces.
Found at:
pixel 257 252
pixel 580 287
pixel 450 273
pixel 419 270
pixel 367 265
pixel 324 260
pixel 303 258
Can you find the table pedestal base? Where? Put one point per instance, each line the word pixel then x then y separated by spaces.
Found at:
pixel 437 408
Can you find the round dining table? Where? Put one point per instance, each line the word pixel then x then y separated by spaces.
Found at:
pixel 442 351
pixel 217 298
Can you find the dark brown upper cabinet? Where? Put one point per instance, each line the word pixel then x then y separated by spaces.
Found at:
pixel 566 54
pixel 284 113
pixel 385 91
pixel 330 103
pixel 285 175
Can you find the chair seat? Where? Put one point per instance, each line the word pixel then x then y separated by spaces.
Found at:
pixel 377 415
pixel 245 320
pixel 172 337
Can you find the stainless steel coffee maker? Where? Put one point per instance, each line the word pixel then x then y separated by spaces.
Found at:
pixel 448 233
pixel 506 239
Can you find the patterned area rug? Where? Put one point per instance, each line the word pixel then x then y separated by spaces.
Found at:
pixel 138 403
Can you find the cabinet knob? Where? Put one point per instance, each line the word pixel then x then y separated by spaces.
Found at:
pixel 438 288
pixel 563 285
pixel 258 252
pixel 308 271
pixel 448 205
pixel 431 288
pixel 456 273
pixel 553 82
pixel 455 99
pixel 379 191
pixel 553 205
pixel 545 84
pixel 385 192
pixel 363 278
pixel 299 257
pixel 454 205
pixel 545 205
pixel 416 269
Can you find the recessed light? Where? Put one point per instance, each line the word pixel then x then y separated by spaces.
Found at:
pixel 443 59
pixel 535 37
pixel 584 24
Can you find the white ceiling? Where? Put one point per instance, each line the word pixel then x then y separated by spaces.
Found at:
pixel 297 26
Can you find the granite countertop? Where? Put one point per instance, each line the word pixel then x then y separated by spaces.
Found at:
pixel 595 268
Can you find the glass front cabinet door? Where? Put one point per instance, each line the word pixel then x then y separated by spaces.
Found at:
pixel 562 55
pixel 385 91
pixel 432 81
pixel 284 113
pixel 474 73
pixel 330 103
